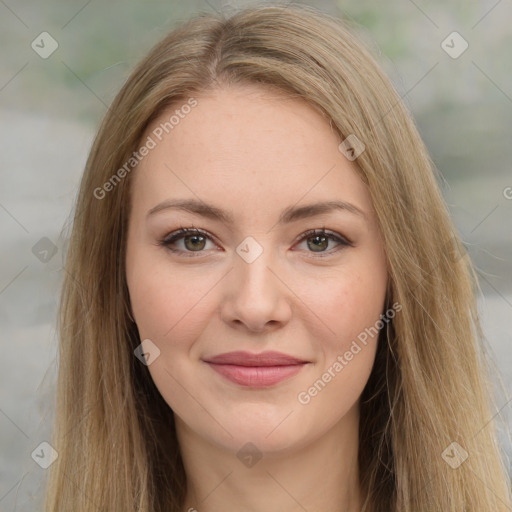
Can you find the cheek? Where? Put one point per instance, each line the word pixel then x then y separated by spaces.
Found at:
pixel 166 304
pixel 351 307
pixel 345 302
pixel 349 304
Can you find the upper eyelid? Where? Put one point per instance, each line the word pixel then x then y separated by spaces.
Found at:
pixel 319 231
pixel 182 232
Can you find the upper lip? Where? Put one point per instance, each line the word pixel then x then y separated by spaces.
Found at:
pixel 241 358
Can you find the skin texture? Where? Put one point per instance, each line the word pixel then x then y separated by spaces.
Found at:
pixel 248 151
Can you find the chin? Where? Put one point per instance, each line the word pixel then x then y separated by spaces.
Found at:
pixel 274 433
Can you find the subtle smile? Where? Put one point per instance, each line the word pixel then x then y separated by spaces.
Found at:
pixel 256 370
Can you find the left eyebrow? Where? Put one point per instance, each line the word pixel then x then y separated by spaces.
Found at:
pixel 289 215
pixel 292 214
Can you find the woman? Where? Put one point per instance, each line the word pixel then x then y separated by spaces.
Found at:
pixel 265 306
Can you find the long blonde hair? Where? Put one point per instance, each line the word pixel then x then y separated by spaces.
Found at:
pixel 429 386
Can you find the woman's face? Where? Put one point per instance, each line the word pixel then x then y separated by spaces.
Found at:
pixel 253 279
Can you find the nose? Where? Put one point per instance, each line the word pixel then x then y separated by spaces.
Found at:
pixel 256 298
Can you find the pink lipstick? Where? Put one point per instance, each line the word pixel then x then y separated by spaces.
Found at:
pixel 256 370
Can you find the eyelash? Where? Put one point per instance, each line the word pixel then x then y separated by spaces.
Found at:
pixel 184 232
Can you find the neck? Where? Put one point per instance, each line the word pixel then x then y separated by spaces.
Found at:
pixel 319 476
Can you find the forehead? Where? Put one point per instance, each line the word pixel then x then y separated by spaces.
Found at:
pixel 248 146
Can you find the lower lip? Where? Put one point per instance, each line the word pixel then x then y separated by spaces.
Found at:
pixel 256 376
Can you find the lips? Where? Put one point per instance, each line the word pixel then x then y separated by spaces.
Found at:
pixel 247 359
pixel 256 370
